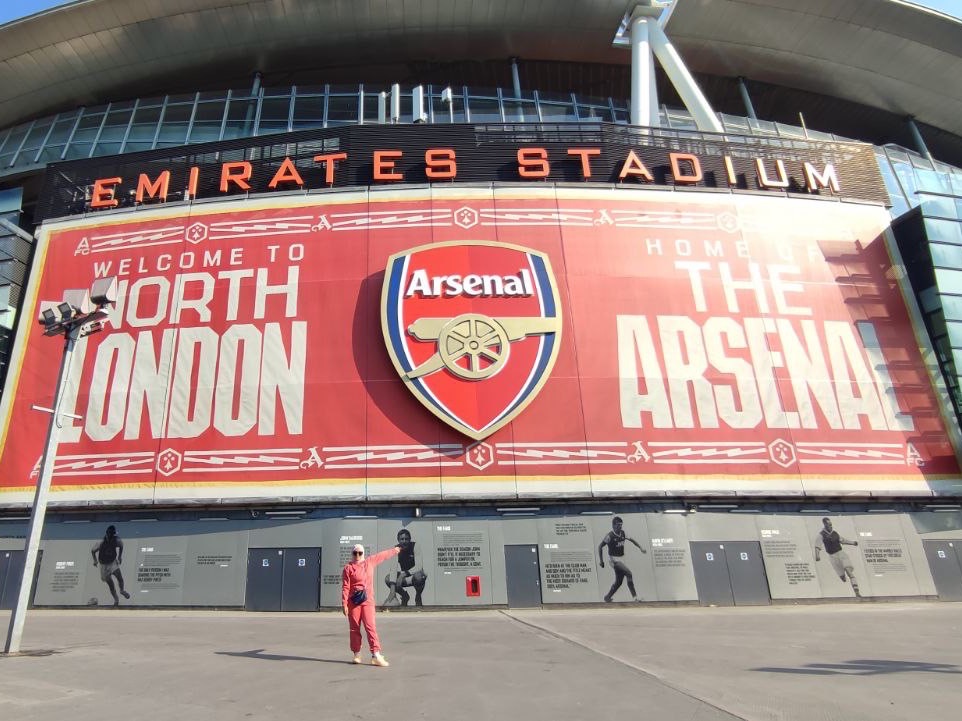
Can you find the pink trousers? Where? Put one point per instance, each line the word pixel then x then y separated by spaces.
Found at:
pixel 363 614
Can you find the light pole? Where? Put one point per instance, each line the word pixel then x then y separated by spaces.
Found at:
pixel 79 314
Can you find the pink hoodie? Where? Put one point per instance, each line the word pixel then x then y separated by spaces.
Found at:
pixel 360 574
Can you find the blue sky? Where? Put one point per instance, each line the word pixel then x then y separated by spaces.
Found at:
pixel 13 9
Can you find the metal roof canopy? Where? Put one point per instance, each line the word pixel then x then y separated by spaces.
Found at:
pixel 882 53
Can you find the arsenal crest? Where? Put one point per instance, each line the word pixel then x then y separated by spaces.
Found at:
pixel 473 329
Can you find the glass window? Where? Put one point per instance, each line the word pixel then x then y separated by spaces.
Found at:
pixel 209 113
pixel 107 149
pixel 956 181
pixel 448 113
pixel 949 281
pixel 370 106
pixel 147 116
pixel 939 206
pixel 308 111
pixel 907 178
pixel 929 299
pixel 142 133
pixel 789 131
pixel 598 113
pixel 484 110
pixel 932 181
pixel 240 118
pixel 34 139
pixel 204 132
pixel 342 110
pixel 13 144
pixel 172 133
pixel 952 306
pixel 179 113
pixel 78 150
pixel 944 231
pixel 207 121
pixel 520 111
pixel 556 112
pixel 946 256
pixel 138 146
pixel 274 112
pixel 88 127
pixel 954 329
pixel 50 154
pixel 61 128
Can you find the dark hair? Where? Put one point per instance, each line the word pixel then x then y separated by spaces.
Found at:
pixel 111 531
pixel 616 519
pixel 826 520
pixel 403 530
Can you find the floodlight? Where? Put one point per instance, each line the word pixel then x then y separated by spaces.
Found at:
pixel 48 314
pixel 79 300
pixel 66 310
pixel 104 291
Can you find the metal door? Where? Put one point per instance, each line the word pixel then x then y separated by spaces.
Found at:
pixel 264 579
pixel 746 570
pixel 301 583
pixel 711 574
pixel 523 576
pixel 945 560
pixel 11 571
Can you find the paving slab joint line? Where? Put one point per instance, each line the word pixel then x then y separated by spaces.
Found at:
pixel 623 662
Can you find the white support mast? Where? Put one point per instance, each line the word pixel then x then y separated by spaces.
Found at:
pixel 642 30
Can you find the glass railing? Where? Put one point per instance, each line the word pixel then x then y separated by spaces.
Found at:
pixel 175 120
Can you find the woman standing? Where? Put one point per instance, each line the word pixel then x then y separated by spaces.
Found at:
pixel 357 600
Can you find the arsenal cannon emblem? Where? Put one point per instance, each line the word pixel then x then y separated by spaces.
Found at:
pixel 473 329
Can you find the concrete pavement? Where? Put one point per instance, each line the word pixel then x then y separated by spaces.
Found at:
pixel 878 661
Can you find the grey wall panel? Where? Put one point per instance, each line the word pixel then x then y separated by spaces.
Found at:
pixel 499 589
pixel 721 526
pixel 337 537
pixel 831 583
pixel 303 533
pixel 64 569
pixel 13 535
pixel 158 578
pixel 890 568
pixel 671 557
pixel 637 562
pixel 422 536
pixel 462 549
pixel 916 550
pixel 520 530
pixel 568 559
pixel 215 570
pixel 947 524
pixel 789 554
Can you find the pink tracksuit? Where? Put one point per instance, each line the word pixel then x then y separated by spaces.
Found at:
pixel 358 575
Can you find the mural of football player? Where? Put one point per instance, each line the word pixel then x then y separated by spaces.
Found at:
pixel 615 542
pixel 108 553
pixel 409 574
pixel 831 542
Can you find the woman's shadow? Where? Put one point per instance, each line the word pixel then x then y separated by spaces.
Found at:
pixel 258 653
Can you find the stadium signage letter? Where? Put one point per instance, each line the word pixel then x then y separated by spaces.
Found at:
pixel 531 163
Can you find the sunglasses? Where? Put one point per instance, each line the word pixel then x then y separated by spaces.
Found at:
pixel 357 553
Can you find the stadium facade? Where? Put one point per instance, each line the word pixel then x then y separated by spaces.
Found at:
pixel 582 301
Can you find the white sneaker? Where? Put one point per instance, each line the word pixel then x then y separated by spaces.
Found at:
pixel 357 658
pixel 379 660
